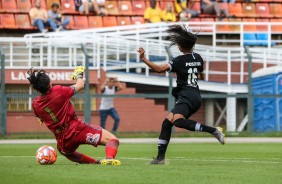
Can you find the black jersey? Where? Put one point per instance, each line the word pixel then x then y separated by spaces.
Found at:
pixel 187 68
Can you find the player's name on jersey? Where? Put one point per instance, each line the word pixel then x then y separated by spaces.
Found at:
pixel 193 64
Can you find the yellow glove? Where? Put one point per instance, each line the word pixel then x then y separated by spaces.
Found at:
pixel 77 73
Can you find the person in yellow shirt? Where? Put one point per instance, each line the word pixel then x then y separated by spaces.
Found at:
pixel 168 14
pixel 185 13
pixel 152 14
pixel 39 18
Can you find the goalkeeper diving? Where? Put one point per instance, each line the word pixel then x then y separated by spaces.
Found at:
pixel 54 109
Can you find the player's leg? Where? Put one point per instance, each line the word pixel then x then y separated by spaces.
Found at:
pixel 95 135
pixel 183 111
pixel 164 139
pixel 111 143
pixel 113 113
pixel 103 118
pixel 75 156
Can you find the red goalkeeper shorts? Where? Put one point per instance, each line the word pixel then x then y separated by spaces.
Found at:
pixel 78 133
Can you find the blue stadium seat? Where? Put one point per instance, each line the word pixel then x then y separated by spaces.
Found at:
pixel 263 37
pixel 249 39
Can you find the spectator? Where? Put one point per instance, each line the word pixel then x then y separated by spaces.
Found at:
pixel 152 14
pixel 101 5
pixel 168 14
pixel 56 16
pixel 86 6
pixel 228 1
pixel 110 86
pixel 212 7
pixel 183 10
pixel 39 18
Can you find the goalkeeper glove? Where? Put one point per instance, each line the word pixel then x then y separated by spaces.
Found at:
pixel 78 73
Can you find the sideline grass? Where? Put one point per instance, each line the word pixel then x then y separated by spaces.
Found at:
pixel 187 163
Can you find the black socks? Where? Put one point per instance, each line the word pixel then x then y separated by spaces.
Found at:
pixel 187 124
pixel 164 138
pixel 193 126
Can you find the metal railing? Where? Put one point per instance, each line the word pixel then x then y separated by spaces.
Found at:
pixel 157 30
pixel 115 49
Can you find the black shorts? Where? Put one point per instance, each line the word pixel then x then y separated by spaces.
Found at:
pixel 188 101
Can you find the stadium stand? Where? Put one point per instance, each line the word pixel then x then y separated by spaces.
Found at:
pixel 123 21
pixel 137 20
pixel 8 21
pixel 9 6
pixel 138 7
pixel 235 9
pixel 23 6
pixel 95 22
pixel 80 22
pixel 112 7
pixel 125 8
pixel 68 7
pixel 22 21
pixel 276 28
pixel 125 12
pixel 275 9
pixel 110 21
pixel 249 10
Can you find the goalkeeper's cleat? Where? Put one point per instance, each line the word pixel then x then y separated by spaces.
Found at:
pixel 219 135
pixel 110 162
pixel 158 161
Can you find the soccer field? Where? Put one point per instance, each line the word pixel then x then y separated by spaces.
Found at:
pixel 187 163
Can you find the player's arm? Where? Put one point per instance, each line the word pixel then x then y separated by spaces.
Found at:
pixel 201 76
pixel 78 76
pixel 79 85
pixel 155 67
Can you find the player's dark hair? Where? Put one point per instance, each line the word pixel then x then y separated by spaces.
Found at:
pixel 112 79
pixel 39 80
pixel 181 36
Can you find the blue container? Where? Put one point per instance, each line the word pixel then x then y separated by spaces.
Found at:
pixel 267 111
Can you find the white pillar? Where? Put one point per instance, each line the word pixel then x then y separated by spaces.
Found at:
pixel 231 114
pixel 209 112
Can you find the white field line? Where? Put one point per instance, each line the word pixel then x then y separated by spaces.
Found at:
pixel 235 160
pixel 154 140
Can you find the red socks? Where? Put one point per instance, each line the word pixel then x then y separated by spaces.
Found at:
pixel 111 152
pixel 81 158
pixel 112 148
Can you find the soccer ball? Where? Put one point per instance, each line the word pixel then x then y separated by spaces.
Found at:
pixel 46 155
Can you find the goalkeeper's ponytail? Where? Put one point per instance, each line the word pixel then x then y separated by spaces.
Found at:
pixel 39 80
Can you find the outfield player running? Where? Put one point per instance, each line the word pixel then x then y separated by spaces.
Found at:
pixel 53 107
pixel 188 68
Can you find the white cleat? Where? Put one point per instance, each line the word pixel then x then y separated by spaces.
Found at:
pixel 219 135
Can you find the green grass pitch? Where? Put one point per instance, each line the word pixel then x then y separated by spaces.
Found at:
pixel 187 163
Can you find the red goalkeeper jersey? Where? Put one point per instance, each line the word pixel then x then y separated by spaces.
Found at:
pixel 55 108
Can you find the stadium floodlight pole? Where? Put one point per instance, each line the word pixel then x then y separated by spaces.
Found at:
pixel 3 119
pixel 250 91
pixel 170 98
pixel 87 98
